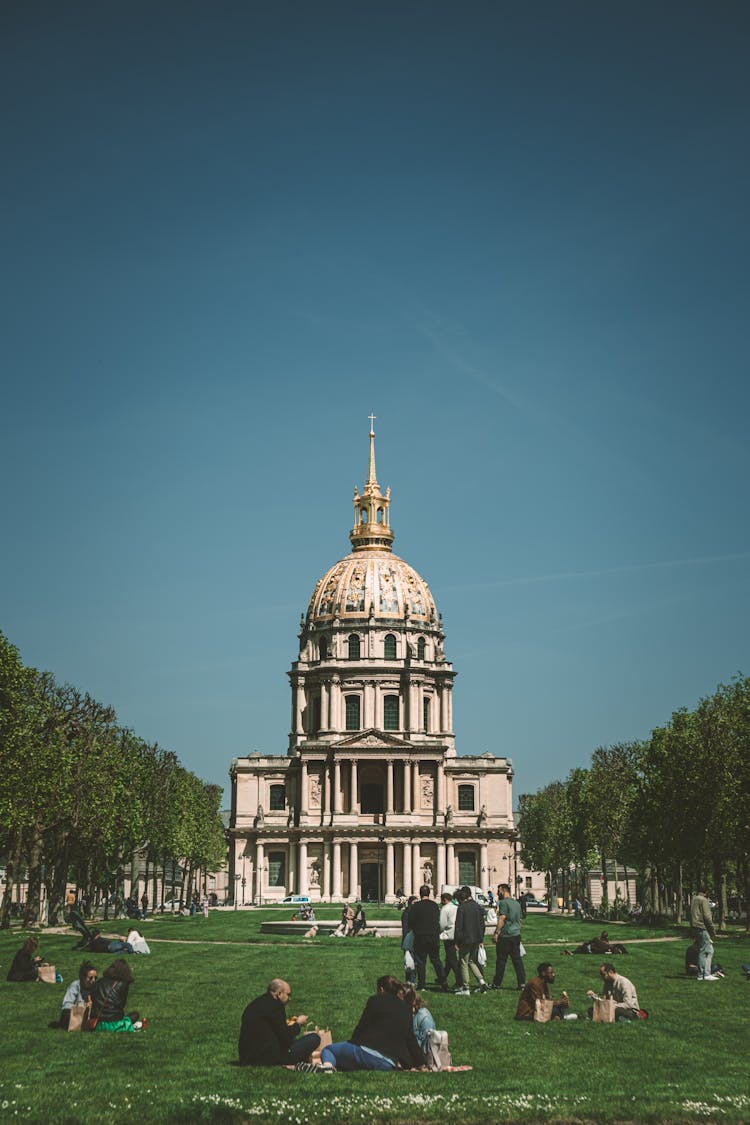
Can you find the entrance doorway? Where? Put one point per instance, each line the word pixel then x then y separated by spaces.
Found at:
pixel 372 882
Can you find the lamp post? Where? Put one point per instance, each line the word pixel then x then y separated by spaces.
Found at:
pixel 381 841
pixel 236 888
pixel 244 882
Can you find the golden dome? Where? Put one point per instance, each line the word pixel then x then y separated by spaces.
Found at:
pixel 371 583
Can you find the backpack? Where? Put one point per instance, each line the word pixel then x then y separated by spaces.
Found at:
pixel 436 1050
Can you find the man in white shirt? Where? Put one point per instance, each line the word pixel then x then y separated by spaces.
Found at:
pixel 621 990
pixel 448 911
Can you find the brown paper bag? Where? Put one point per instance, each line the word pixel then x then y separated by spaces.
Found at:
pixel 604 1010
pixel 47 973
pixel 325 1041
pixel 542 1011
pixel 77 1014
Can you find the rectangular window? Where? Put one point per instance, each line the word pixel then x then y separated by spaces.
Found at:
pixel 276 869
pixel 426 714
pixel 467 869
pixel 466 798
pixel 277 798
pixel 352 712
pixel 529 882
pixel 390 712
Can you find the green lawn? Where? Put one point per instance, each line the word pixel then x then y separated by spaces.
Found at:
pixel 688 1062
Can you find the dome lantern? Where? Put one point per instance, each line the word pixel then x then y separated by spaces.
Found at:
pixel 372 521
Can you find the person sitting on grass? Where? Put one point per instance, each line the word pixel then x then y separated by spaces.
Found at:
pixel 602 944
pixel 619 989
pixel 137 942
pixel 538 988
pixel 691 962
pixel 25 964
pixel 267 1037
pixel 77 992
pixel 421 1018
pixel 109 997
pixel 384 1037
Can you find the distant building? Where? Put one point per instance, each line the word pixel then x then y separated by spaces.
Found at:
pixel 371 798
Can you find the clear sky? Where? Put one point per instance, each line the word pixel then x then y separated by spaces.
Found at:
pixel 516 232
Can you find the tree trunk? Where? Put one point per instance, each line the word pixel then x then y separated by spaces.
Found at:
pixel 11 874
pixel 57 885
pixel 31 913
pixel 720 890
pixel 678 912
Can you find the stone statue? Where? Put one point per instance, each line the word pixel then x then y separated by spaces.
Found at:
pixel 315 874
pixel 259 817
pixel 290 817
pixel 483 815
pixel 449 815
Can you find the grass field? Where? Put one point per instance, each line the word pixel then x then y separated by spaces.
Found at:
pixel 687 1063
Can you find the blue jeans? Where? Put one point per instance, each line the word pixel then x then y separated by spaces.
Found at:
pixel 350 1056
pixel 705 953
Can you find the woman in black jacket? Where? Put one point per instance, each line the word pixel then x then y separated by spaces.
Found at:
pixel 110 996
pixel 384 1037
pixel 25 963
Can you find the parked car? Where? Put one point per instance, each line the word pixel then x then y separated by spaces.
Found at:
pixel 536 904
pixel 295 900
pixel 476 893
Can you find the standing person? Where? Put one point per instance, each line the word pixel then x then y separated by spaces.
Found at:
pixel 267 1038
pixel 448 911
pixel 703 931
pixel 144 905
pixel 469 934
pixel 507 937
pixel 619 989
pixel 538 988
pixel 424 922
pixel 407 942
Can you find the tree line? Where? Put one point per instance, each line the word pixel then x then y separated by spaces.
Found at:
pixel 675 808
pixel 84 799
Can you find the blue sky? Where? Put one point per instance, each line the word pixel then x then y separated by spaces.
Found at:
pixel 517 233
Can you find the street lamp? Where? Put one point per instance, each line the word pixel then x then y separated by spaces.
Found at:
pixel 244 881
pixel 381 841
pixel 236 887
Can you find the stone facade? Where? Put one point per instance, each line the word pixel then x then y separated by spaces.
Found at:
pixel 371 798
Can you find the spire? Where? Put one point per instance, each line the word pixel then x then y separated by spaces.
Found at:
pixel 372 524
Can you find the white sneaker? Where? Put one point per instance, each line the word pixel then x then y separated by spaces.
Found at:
pixel 462 992
pixel 709 977
pixel 571 1016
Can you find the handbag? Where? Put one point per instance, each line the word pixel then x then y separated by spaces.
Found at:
pixel 46 973
pixel 543 1011
pixel 604 1010
pixel 481 956
pixel 409 962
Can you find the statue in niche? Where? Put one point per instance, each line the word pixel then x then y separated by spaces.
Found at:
pixel 259 817
pixel 315 874
pixel 449 815
pixel 483 815
pixel 427 874
pixel 426 792
pixel 290 818
pixel 314 792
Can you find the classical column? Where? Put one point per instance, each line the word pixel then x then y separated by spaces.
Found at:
pixel 451 865
pixel 337 786
pixel 449 694
pixel 415 794
pixel 416 869
pixel 407 870
pixel 440 791
pixel 325 723
pixel 441 877
pixel 389 787
pixel 353 870
pixel 335 704
pixel 303 867
pixel 291 875
pixel 369 720
pixel 407 787
pixel 326 810
pixel 303 788
pixel 443 708
pixel 259 873
pixel 336 869
pixel 353 788
pixel 389 870
pixel 483 866
pixel 414 723
pixel 326 888
pixel 299 704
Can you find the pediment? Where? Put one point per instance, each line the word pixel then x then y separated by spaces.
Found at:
pixel 372 740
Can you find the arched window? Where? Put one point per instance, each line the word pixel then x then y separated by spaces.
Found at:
pixel 352 712
pixel 354 647
pixel 421 648
pixel 276 869
pixel 466 798
pixel 277 798
pixel 426 713
pixel 389 647
pixel 390 712
pixel 363 515
pixel 380 515
pixel 323 647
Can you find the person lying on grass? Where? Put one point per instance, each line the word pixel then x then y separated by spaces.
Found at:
pixel 384 1037
pixel 109 997
pixel 267 1037
pixel 538 988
